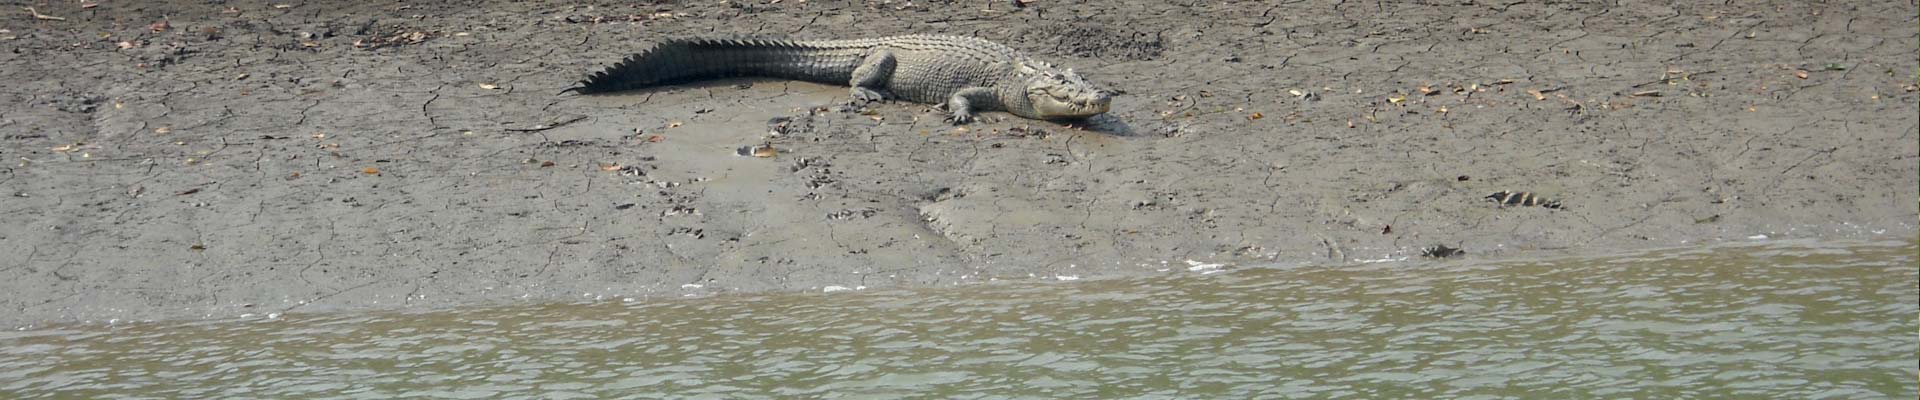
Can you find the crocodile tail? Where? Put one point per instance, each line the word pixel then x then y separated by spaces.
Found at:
pixel 677 61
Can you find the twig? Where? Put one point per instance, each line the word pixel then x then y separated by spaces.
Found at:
pixel 537 128
pixel 1671 78
pixel 37 15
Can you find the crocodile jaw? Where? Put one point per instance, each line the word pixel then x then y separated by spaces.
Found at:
pixel 1072 106
pixel 1064 95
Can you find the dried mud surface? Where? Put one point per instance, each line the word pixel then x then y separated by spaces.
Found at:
pixel 248 158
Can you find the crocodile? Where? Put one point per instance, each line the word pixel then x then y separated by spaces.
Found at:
pixel 963 74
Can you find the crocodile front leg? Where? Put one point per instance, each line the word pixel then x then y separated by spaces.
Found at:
pixel 871 76
pixel 960 108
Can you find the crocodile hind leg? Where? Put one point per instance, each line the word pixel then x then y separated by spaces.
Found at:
pixel 961 107
pixel 870 78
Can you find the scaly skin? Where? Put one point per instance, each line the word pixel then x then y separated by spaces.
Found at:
pixel 964 74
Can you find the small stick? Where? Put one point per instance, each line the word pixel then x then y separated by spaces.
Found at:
pixel 37 15
pixel 557 124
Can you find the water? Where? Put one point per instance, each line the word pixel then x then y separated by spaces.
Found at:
pixel 1795 320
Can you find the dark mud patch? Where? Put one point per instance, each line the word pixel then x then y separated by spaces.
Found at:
pixel 1094 40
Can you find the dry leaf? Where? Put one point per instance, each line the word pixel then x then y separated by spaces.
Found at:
pixel 1396 98
pixel 655 138
pixel 488 86
pixel 1443 109
pixel 126 45
pixel 283 6
pixel 544 164
pixel 1296 93
pixel 1802 74
pixel 163 130
pixel 158 27
pixel 765 151
pixel 1647 93
pixel 197 247
pixel 1255 116
pixel 1426 90
pixel 370 171
pixel 609 167
pixel 89 5
pixel 674 124
pixel 66 148
pixel 1537 95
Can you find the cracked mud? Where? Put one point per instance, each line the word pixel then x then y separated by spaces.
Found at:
pixel 251 159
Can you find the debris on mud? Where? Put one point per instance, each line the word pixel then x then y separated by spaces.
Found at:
pixel 394 36
pixel 862 212
pixel 1508 198
pixel 761 151
pixel 1441 251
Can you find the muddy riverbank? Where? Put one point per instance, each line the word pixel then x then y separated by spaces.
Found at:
pixel 174 159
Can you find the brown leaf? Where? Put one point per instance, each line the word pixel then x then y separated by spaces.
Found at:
pixel 765 151
pixel 1537 95
pixel 1255 116
pixel 544 164
pixel 1802 74
pixel 370 171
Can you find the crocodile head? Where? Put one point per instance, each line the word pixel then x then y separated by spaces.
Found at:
pixel 1056 94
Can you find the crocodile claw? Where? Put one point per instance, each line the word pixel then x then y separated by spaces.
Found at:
pixel 959 118
pixel 865 95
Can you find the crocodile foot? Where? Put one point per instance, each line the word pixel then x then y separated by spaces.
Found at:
pixel 865 95
pixel 959 117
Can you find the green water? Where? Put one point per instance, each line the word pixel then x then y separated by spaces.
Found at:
pixel 1786 320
